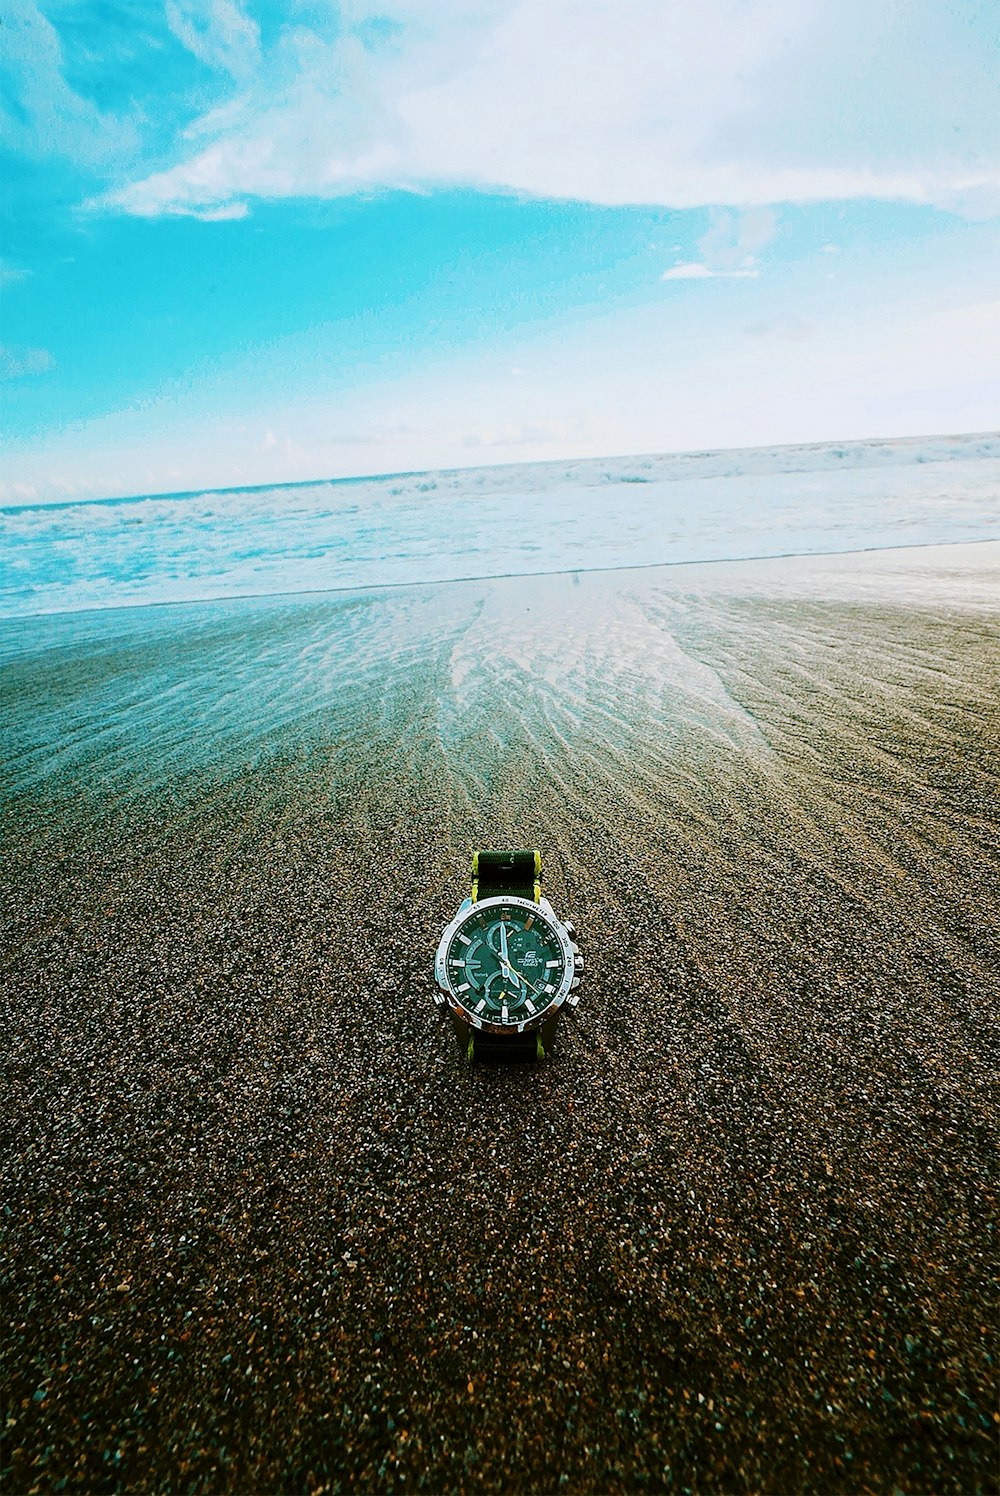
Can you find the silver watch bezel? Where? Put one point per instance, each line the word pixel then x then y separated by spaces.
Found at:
pixel 505 901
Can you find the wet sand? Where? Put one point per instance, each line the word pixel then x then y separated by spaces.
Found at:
pixel 263 1228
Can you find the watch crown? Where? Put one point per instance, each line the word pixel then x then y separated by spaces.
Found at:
pixel 578 962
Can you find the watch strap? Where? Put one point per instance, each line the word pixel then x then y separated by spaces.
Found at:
pixel 516 873
pixel 504 1048
pixel 477 1044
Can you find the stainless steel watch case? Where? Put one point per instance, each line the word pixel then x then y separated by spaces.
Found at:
pixel 568 992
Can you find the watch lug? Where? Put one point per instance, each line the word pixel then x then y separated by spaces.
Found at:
pixel 565 924
pixel 462 1031
pixel 548 1030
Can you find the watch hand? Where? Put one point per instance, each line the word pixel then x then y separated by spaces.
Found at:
pixel 515 973
pixel 503 941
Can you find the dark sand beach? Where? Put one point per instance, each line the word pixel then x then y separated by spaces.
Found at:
pixel 264 1230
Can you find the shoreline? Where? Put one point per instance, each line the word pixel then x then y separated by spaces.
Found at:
pixel 583 571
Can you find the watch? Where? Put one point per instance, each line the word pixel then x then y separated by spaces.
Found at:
pixel 506 965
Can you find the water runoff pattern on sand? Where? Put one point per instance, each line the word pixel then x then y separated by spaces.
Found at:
pixel 109 697
pixel 495 521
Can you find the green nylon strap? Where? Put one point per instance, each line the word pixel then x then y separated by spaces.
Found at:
pixel 517 873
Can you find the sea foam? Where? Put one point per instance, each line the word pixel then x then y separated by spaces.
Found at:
pixel 494 521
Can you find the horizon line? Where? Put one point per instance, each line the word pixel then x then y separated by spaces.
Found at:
pixel 249 488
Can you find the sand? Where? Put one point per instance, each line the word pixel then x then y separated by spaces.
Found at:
pixel 263 1228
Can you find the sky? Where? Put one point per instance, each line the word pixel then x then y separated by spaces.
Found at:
pixel 251 243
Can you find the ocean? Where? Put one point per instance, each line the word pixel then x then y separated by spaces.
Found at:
pixel 523 519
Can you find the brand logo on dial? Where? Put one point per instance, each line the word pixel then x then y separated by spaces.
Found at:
pixel 531 958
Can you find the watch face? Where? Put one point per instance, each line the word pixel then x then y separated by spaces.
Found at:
pixel 505 964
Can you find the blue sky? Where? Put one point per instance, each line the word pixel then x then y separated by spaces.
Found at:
pixel 251 243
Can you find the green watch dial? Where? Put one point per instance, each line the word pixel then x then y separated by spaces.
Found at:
pixel 505 965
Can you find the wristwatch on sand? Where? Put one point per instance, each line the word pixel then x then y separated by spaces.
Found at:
pixel 506 966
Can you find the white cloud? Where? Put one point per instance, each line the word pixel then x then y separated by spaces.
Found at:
pixel 744 102
pixel 529 434
pixel 730 247
pixel 787 327
pixel 688 270
pixel 217 33
pixel 15 492
pixel 220 214
pixel 311 125
pixel 15 363
pixel 735 239
pixel 40 113
pixel 695 270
